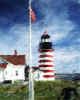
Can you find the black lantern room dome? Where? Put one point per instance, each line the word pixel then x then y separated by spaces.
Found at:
pixel 45 36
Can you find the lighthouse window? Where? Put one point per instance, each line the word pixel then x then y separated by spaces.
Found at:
pixel 42 40
pixel 46 40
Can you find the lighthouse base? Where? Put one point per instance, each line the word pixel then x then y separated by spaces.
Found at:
pixel 38 76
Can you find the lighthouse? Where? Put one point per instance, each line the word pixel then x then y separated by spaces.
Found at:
pixel 46 63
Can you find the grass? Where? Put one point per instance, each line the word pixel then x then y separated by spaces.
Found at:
pixel 52 90
pixel 12 92
pixel 43 90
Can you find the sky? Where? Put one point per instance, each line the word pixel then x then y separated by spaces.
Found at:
pixel 60 18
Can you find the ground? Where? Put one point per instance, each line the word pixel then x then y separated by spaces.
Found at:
pixel 52 90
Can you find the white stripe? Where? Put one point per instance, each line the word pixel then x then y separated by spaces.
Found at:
pixel 49 73
pixel 46 58
pixel 46 68
pixel 48 79
pixel 46 53
pixel 46 63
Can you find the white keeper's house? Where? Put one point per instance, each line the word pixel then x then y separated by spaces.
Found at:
pixel 12 67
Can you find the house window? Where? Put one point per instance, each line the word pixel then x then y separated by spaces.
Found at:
pixel 16 73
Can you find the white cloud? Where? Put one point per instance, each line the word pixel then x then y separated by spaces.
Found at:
pixel 67 60
pixel 16 39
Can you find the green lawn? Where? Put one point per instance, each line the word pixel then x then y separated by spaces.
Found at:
pixel 43 90
pixel 53 90
pixel 11 92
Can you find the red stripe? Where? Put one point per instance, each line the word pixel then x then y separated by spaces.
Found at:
pixel 42 56
pixel 48 71
pixel 46 65
pixel 41 61
pixel 50 50
pixel 47 76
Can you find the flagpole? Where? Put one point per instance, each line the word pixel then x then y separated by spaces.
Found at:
pixel 31 83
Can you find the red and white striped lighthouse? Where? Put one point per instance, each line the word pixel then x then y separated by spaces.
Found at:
pixel 46 64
